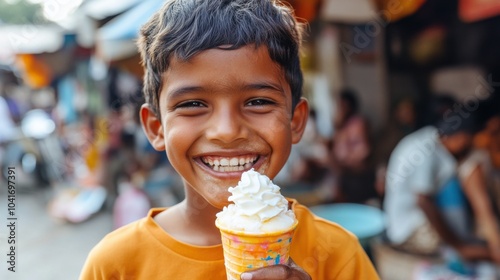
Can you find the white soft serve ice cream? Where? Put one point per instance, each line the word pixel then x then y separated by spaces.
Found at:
pixel 258 206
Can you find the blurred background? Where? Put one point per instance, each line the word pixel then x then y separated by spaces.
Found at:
pixel 70 89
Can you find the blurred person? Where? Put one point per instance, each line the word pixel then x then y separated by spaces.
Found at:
pixel 488 140
pixel 440 105
pixel 85 164
pixel 7 129
pixel 432 181
pixel 7 107
pixel 13 93
pixel 307 157
pixel 7 122
pixel 402 123
pixel 475 177
pixel 7 125
pixel 306 175
pixel 351 152
pixel 351 141
pixel 119 152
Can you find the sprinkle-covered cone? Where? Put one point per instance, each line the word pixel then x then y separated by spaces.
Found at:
pixel 246 251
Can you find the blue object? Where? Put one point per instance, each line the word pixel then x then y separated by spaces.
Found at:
pixel 455 263
pixel 451 195
pixel 453 205
pixel 454 209
pixel 363 221
pixel 127 25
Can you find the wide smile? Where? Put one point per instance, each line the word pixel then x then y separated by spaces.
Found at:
pixel 230 164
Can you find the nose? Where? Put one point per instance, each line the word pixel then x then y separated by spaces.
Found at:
pixel 226 125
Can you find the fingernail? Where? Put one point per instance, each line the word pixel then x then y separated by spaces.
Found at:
pixel 246 276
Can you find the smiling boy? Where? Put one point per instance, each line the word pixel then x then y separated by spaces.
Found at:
pixel 223 95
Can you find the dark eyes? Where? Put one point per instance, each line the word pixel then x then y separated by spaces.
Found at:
pixel 197 104
pixel 260 102
pixel 191 104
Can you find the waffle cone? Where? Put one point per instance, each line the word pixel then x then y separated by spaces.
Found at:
pixel 247 251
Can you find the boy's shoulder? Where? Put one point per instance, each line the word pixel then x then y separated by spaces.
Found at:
pixel 122 242
pixel 126 232
pixel 120 239
pixel 113 251
pixel 326 249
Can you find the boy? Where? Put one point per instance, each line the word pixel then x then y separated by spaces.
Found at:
pixel 222 86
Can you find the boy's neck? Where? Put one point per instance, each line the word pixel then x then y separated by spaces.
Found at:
pixel 199 211
pixel 192 221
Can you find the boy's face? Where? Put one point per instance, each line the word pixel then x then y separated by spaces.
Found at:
pixel 222 113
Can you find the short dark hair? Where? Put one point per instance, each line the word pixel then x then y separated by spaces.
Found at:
pixel 349 95
pixel 183 28
pixel 438 105
pixel 455 123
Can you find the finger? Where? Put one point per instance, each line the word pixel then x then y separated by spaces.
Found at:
pixel 290 271
pixel 268 273
pixel 293 265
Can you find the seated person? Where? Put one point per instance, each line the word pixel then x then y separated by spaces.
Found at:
pixel 306 175
pixel 488 140
pixel 352 151
pixel 429 184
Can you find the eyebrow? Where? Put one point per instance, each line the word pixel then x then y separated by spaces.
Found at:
pixel 247 87
pixel 265 86
pixel 183 90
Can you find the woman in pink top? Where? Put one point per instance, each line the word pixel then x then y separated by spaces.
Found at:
pixel 351 152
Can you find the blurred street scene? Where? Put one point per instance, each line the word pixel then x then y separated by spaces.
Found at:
pixel 376 72
pixel 50 250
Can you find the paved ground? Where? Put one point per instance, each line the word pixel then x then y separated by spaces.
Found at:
pixel 47 249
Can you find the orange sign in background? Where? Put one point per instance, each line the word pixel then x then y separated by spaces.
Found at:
pixel 474 10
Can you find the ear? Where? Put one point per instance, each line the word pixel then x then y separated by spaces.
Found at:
pixel 299 120
pixel 152 127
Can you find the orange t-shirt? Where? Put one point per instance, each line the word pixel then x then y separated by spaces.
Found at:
pixel 143 250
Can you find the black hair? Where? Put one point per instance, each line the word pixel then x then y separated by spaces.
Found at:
pixel 438 107
pixel 456 123
pixel 183 28
pixel 349 96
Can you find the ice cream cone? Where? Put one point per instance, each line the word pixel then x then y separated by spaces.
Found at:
pixel 247 251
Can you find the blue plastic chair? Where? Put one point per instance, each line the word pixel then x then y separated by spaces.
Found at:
pixel 366 222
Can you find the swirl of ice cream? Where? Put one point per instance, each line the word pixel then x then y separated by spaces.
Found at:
pixel 258 206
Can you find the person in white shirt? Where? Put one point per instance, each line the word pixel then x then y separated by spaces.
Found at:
pixel 431 179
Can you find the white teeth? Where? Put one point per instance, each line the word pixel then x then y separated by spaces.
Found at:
pixel 228 168
pixel 233 162
pixel 230 164
pixel 232 168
